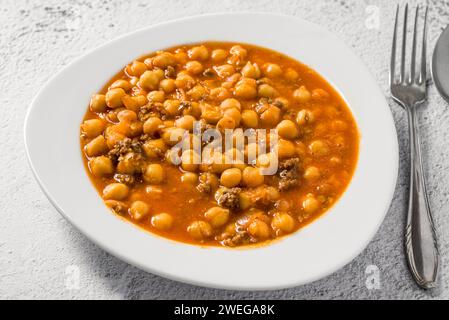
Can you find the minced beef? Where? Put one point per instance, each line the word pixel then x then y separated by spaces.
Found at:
pixel 124 147
pixel 207 182
pixel 288 173
pixel 230 199
pixel 125 178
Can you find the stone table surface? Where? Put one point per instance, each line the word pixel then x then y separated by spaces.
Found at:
pixel 41 253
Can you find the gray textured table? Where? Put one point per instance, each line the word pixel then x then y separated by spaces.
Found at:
pixel 41 254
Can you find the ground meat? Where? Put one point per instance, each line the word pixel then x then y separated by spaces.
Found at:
pixel 125 147
pixel 241 237
pixel 230 199
pixel 288 174
pixel 207 182
pixel 125 178
pixel 151 109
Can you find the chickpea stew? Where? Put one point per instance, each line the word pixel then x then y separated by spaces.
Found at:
pixel 144 144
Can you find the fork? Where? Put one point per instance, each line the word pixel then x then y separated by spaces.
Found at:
pixel 409 90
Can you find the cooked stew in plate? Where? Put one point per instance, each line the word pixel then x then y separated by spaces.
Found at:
pixel 217 143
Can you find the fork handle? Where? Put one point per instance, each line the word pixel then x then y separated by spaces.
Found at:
pixel 420 237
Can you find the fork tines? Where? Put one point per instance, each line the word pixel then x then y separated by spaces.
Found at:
pixel 413 76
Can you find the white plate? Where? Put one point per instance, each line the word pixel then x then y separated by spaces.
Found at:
pixel 51 136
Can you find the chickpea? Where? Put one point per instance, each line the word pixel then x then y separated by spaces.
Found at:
pixel 320 95
pixel 266 160
pixel 302 95
pixel 225 70
pixel 101 166
pixel 121 83
pixel 219 94
pixel 112 136
pixel 137 68
pixel 92 128
pixel 225 123
pixel 162 221
pixel 96 147
pixel 98 103
pixel 210 114
pixel 267 91
pixel 190 141
pixel 287 129
pixel 245 91
pixel 231 177
pixel 190 160
pixel 319 148
pixel 271 116
pixel 194 67
pixel 149 80
pixel 335 161
pixel 272 70
pixel 127 116
pixel 184 81
pixel 197 92
pixel 173 135
pixel 152 125
pixel 199 230
pixel 259 229
pixel 251 70
pixel 200 53
pixel 234 114
pixel 189 177
pixel 139 210
pixel 156 96
pixel 238 51
pixel 128 166
pixel 167 85
pixel 217 216
pixel 291 75
pixel 283 205
pixel 339 125
pixel 172 107
pixel 185 122
pixel 218 55
pixel 283 223
pixel 181 56
pixel 130 103
pixel 285 149
pixel 230 103
pixel 114 98
pixel 209 179
pixel 311 173
pixel 154 174
pixel 245 200
pixel 252 177
pixel 115 191
pixel 234 154
pixel 154 148
pixel 116 206
pixel 193 109
pixel 173 155
pixel 163 60
pixel 219 162
pixel 305 117
pixel 310 204
pixel 252 150
pixel 250 119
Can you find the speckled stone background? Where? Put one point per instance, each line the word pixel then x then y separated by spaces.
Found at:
pixel 38 247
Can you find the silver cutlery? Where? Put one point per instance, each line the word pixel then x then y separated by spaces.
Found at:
pixel 408 88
